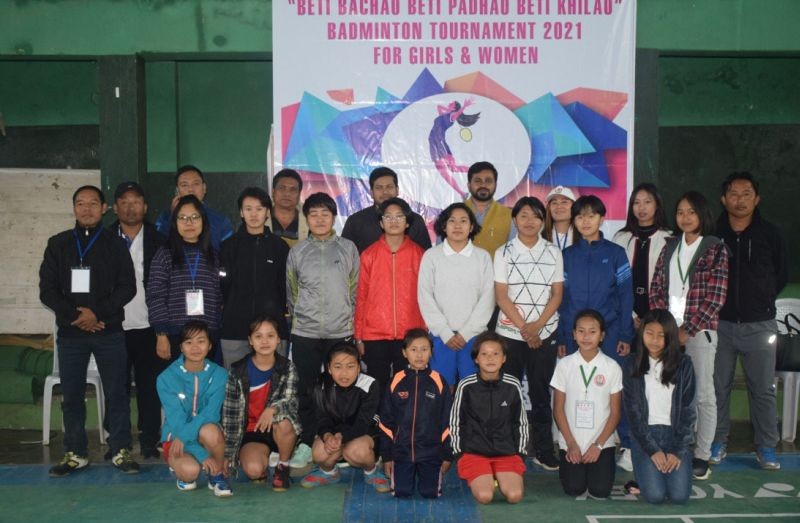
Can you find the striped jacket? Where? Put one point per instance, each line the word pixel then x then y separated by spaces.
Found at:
pixel 488 417
pixel 415 417
pixel 282 397
pixel 708 283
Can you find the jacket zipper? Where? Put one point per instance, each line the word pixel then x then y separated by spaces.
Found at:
pixel 255 276
pixel 194 399
pixel 414 416
pixel 394 294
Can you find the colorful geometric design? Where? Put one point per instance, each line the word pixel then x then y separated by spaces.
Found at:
pixel 574 141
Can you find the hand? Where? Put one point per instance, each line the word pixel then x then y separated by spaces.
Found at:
pixel 176 448
pixel 673 462
pixel 659 459
pixel 162 348
pixel 530 333
pixel 591 455
pixel 265 420
pixel 210 465
pixel 457 342
pixel 387 468
pixel 333 443
pixel 87 321
pixel 683 337
pixel 446 466
pixel 562 351
pixel 360 347
pixel 574 453
pixel 623 349
pixel 174 202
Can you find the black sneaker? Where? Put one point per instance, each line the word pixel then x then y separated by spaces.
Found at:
pixel 280 478
pixel 547 461
pixel 124 462
pixel 68 464
pixel 150 452
pixel 700 469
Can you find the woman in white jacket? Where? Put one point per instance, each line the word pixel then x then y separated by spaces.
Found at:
pixel 643 237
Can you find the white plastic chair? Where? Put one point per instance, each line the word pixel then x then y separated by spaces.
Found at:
pixel 92 378
pixel 791 380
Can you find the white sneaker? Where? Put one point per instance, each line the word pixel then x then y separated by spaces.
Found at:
pixel 274 459
pixel 300 464
pixel 624 460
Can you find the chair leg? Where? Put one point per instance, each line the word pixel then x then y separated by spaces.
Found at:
pixel 791 390
pixel 98 390
pixel 47 404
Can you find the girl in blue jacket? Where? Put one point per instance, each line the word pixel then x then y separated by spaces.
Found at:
pixel 659 398
pixel 191 391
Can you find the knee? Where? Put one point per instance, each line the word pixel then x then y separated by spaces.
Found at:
pixel 655 498
pixel 573 490
pixel 514 495
pixel 283 429
pixel 210 435
pixel 484 497
pixel 188 471
pixel 253 470
pixel 358 454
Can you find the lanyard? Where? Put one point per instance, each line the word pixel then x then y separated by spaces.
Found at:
pixel 128 241
pixel 680 268
pixel 587 381
pixel 81 252
pixel 192 267
pixel 558 240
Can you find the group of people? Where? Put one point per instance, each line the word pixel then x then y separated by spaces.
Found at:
pixel 283 344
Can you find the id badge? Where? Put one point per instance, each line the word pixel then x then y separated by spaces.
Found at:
pixel 677 306
pixel 194 303
pixel 584 414
pixel 81 276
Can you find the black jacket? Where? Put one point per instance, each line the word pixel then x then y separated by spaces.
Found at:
pixel 151 241
pixel 112 285
pixel 415 417
pixel 351 411
pixel 682 415
pixel 758 269
pixel 254 281
pixel 363 228
pixel 488 417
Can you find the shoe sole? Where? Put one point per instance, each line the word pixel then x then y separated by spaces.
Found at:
pixel 300 471
pixel 280 489
pixel 703 477
pixel 132 471
pixel 545 467
pixel 769 467
pixel 53 475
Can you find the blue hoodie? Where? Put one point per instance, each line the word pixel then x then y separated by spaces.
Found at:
pixel 597 276
pixel 190 400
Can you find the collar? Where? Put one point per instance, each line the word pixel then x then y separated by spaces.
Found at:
pixel 84 232
pixel 466 251
pixel 524 248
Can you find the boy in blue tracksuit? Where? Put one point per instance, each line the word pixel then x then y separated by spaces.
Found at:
pixel 597 276
pixel 191 391
pixel 415 417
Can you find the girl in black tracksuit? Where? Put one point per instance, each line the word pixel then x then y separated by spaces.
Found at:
pixel 415 417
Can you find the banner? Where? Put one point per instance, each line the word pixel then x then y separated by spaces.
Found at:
pixel 543 89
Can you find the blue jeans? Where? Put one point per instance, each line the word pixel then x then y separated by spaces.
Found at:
pixel 112 363
pixel 448 362
pixel 657 487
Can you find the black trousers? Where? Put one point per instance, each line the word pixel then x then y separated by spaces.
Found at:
pixel 383 359
pixel 308 355
pixel 538 365
pixel 428 477
pixel 597 477
pixel 144 366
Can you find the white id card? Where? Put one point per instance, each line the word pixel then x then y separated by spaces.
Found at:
pixel 677 306
pixel 194 303
pixel 81 276
pixel 584 414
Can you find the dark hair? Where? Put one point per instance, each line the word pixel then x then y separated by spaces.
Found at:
pixel 465 120
pixel 590 313
pixel 529 201
pixel 287 173
pixel 701 208
pixel 319 199
pixel 744 176
pixel 255 192
pixel 660 217
pixel 415 334
pixel 88 188
pixel 588 202
pixel 441 220
pixel 478 167
pixel 403 207
pixel 192 328
pixel 325 391
pixel 549 226
pixel 188 168
pixel 380 172
pixel 176 243
pixel 485 337
pixel 670 357
pixel 260 318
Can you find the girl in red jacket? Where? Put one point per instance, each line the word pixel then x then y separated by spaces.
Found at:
pixel 386 300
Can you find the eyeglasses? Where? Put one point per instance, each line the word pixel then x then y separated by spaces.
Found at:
pixel 189 218
pixel 393 218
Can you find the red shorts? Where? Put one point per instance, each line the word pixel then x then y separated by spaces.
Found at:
pixel 165 445
pixel 470 466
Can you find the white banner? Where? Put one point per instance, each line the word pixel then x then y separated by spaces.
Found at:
pixel 543 89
